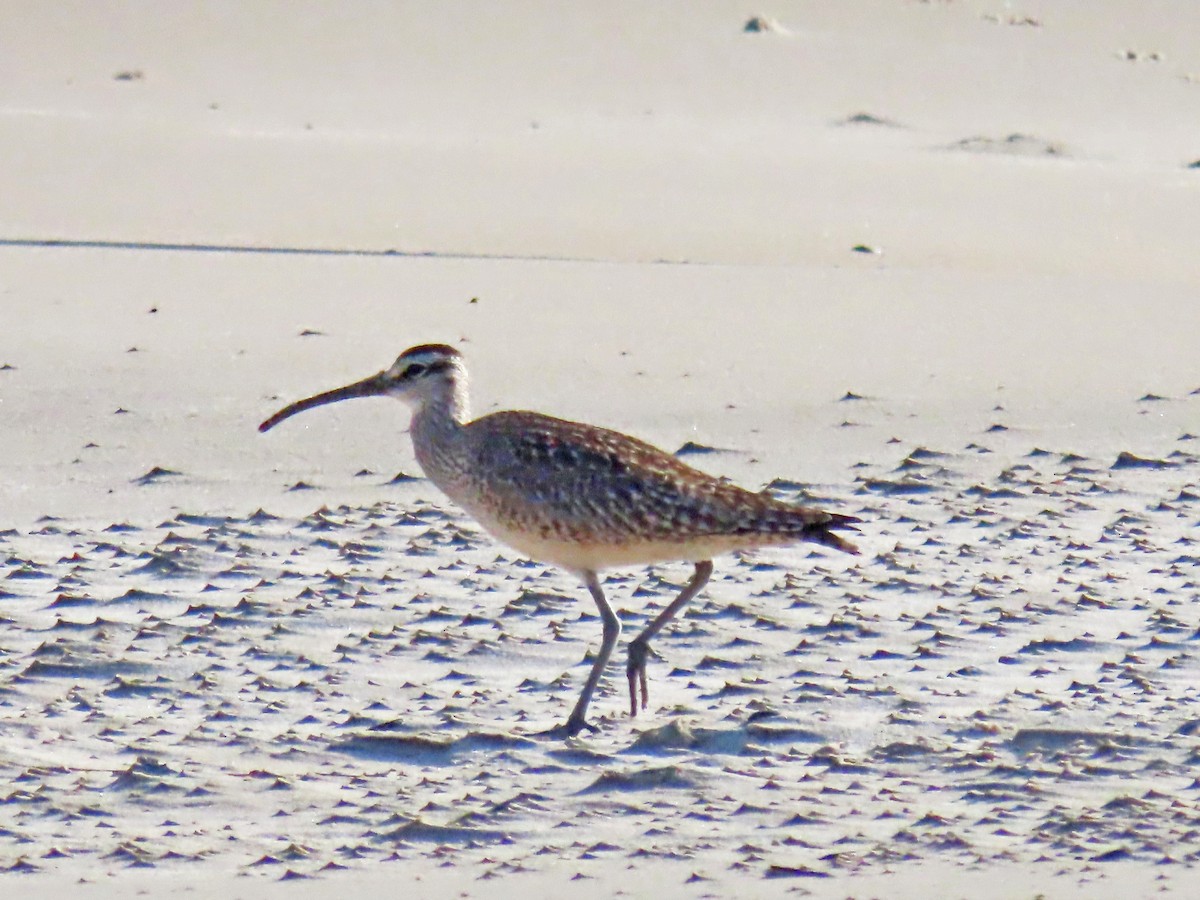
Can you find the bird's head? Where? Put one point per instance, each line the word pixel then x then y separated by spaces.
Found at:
pixel 420 376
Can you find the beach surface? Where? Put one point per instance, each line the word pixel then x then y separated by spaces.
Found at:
pixel 931 264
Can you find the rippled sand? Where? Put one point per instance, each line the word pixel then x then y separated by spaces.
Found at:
pixel 1008 675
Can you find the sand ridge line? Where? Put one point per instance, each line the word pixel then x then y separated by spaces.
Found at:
pixel 201 247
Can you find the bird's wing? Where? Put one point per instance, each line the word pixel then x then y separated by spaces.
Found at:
pixel 584 473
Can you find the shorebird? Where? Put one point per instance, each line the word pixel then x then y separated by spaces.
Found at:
pixel 578 496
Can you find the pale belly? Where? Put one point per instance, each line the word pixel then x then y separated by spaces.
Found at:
pixel 572 547
pixel 593 556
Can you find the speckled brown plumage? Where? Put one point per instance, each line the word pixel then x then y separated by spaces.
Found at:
pixel 597 491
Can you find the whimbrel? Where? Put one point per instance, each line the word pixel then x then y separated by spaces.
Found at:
pixel 578 496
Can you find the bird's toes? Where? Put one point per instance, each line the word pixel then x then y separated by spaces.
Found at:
pixel 572 727
pixel 567 729
pixel 635 672
pixel 633 704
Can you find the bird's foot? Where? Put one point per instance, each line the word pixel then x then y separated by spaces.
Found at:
pixel 567 729
pixel 635 671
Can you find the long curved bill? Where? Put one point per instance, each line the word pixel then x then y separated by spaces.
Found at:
pixel 368 387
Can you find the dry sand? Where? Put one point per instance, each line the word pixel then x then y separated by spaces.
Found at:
pixel 244 665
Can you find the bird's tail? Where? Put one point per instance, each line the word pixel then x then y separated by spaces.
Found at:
pixel 789 522
pixel 823 532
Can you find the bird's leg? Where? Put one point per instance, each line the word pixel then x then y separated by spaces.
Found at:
pixel 612 631
pixel 639 647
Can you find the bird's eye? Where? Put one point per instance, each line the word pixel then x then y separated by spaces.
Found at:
pixel 414 370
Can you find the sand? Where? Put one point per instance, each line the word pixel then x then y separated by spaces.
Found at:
pixel 931 264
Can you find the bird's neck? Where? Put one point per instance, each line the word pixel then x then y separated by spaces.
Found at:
pixel 436 427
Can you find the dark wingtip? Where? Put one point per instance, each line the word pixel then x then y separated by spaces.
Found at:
pixel 841 522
